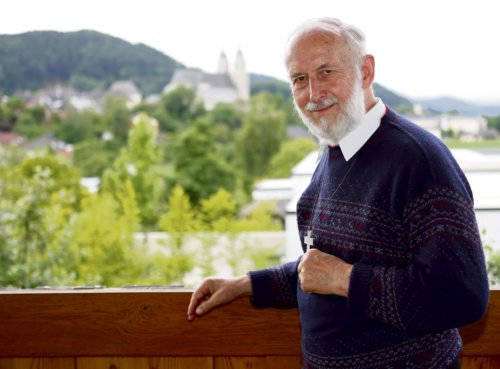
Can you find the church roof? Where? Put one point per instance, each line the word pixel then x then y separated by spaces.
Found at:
pixel 218 80
pixel 187 76
pixel 194 77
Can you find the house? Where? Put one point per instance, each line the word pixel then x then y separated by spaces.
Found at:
pixel 462 126
pixel 49 142
pixel 126 90
pixel 224 86
pixel 465 127
pixel 11 139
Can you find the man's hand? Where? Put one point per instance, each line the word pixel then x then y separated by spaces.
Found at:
pixel 214 292
pixel 324 273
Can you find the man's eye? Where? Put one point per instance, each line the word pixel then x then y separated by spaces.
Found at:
pixel 300 79
pixel 327 71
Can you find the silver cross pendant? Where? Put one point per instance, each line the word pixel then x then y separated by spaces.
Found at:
pixel 308 240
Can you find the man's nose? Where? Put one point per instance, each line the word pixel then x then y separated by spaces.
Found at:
pixel 316 90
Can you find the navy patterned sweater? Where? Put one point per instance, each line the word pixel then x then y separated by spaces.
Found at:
pixel 404 217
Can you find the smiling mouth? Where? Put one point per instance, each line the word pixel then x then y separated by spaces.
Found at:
pixel 320 106
pixel 322 109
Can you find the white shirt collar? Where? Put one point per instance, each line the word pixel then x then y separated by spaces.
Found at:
pixel 355 139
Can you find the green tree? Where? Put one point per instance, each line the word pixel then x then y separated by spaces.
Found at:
pixel 493 122
pixel 26 126
pixel 259 139
pixel 179 222
pixel 10 111
pixel 181 104
pixel 218 212
pixel 225 114
pixel 38 199
pixel 290 154
pixel 117 118
pixel 138 163
pixel 200 168
pixel 93 157
pixel 103 237
pixel 77 126
pixel 259 219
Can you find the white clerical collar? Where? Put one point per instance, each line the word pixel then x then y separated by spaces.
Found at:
pixel 355 139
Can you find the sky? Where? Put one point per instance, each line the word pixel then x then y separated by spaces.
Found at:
pixel 422 48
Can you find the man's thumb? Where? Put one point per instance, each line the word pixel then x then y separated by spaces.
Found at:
pixel 204 307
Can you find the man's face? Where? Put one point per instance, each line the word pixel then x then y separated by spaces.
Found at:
pixel 327 91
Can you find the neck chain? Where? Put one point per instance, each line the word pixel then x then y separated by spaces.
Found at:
pixel 308 238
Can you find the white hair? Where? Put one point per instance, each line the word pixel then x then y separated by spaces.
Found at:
pixel 352 35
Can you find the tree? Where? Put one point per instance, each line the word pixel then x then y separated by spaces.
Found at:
pixel 39 197
pixel 103 240
pixel 93 157
pixel 260 219
pixel 291 153
pixel 138 163
pixel 179 222
pixel 30 122
pixel 10 111
pixel 181 104
pixel 117 118
pixel 493 122
pixel 200 168
pixel 78 126
pixel 217 213
pixel 225 114
pixel 259 139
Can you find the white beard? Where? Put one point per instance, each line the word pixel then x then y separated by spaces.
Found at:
pixel 331 132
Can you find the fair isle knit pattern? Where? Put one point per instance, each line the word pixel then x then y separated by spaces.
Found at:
pixel 403 216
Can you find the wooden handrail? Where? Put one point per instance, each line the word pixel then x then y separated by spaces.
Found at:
pixel 153 322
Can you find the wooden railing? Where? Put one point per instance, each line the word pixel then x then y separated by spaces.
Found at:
pixel 148 328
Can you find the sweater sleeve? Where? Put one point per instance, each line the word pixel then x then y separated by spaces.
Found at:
pixel 275 287
pixel 444 286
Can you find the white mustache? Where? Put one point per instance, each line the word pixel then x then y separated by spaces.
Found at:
pixel 322 104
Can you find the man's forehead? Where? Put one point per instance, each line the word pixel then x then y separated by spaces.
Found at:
pixel 312 37
pixel 315 48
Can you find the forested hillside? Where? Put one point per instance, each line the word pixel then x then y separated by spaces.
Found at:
pixel 84 59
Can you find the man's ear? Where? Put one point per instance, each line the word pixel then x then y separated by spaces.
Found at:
pixel 368 70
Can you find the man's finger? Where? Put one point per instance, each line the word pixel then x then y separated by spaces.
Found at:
pixel 200 294
pixel 208 304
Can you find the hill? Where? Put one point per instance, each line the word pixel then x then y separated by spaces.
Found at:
pixel 446 104
pixel 84 59
pixel 89 59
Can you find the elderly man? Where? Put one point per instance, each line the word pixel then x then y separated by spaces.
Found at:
pixel 392 261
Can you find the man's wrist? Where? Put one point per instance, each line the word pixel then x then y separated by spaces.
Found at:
pixel 346 277
pixel 244 284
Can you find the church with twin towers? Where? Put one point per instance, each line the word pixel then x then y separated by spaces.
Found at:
pixel 226 85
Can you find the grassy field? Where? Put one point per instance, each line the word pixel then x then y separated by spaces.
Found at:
pixel 485 144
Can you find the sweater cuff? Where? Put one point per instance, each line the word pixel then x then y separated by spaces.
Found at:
pixel 359 287
pixel 261 288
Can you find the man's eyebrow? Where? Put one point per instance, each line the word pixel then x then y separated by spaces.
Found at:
pixel 324 66
pixel 295 74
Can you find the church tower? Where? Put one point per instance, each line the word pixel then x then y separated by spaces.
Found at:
pixel 240 77
pixel 222 65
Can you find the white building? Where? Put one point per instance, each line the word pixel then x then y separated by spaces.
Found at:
pixel 482 171
pixel 224 86
pixel 126 90
pixel 464 127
